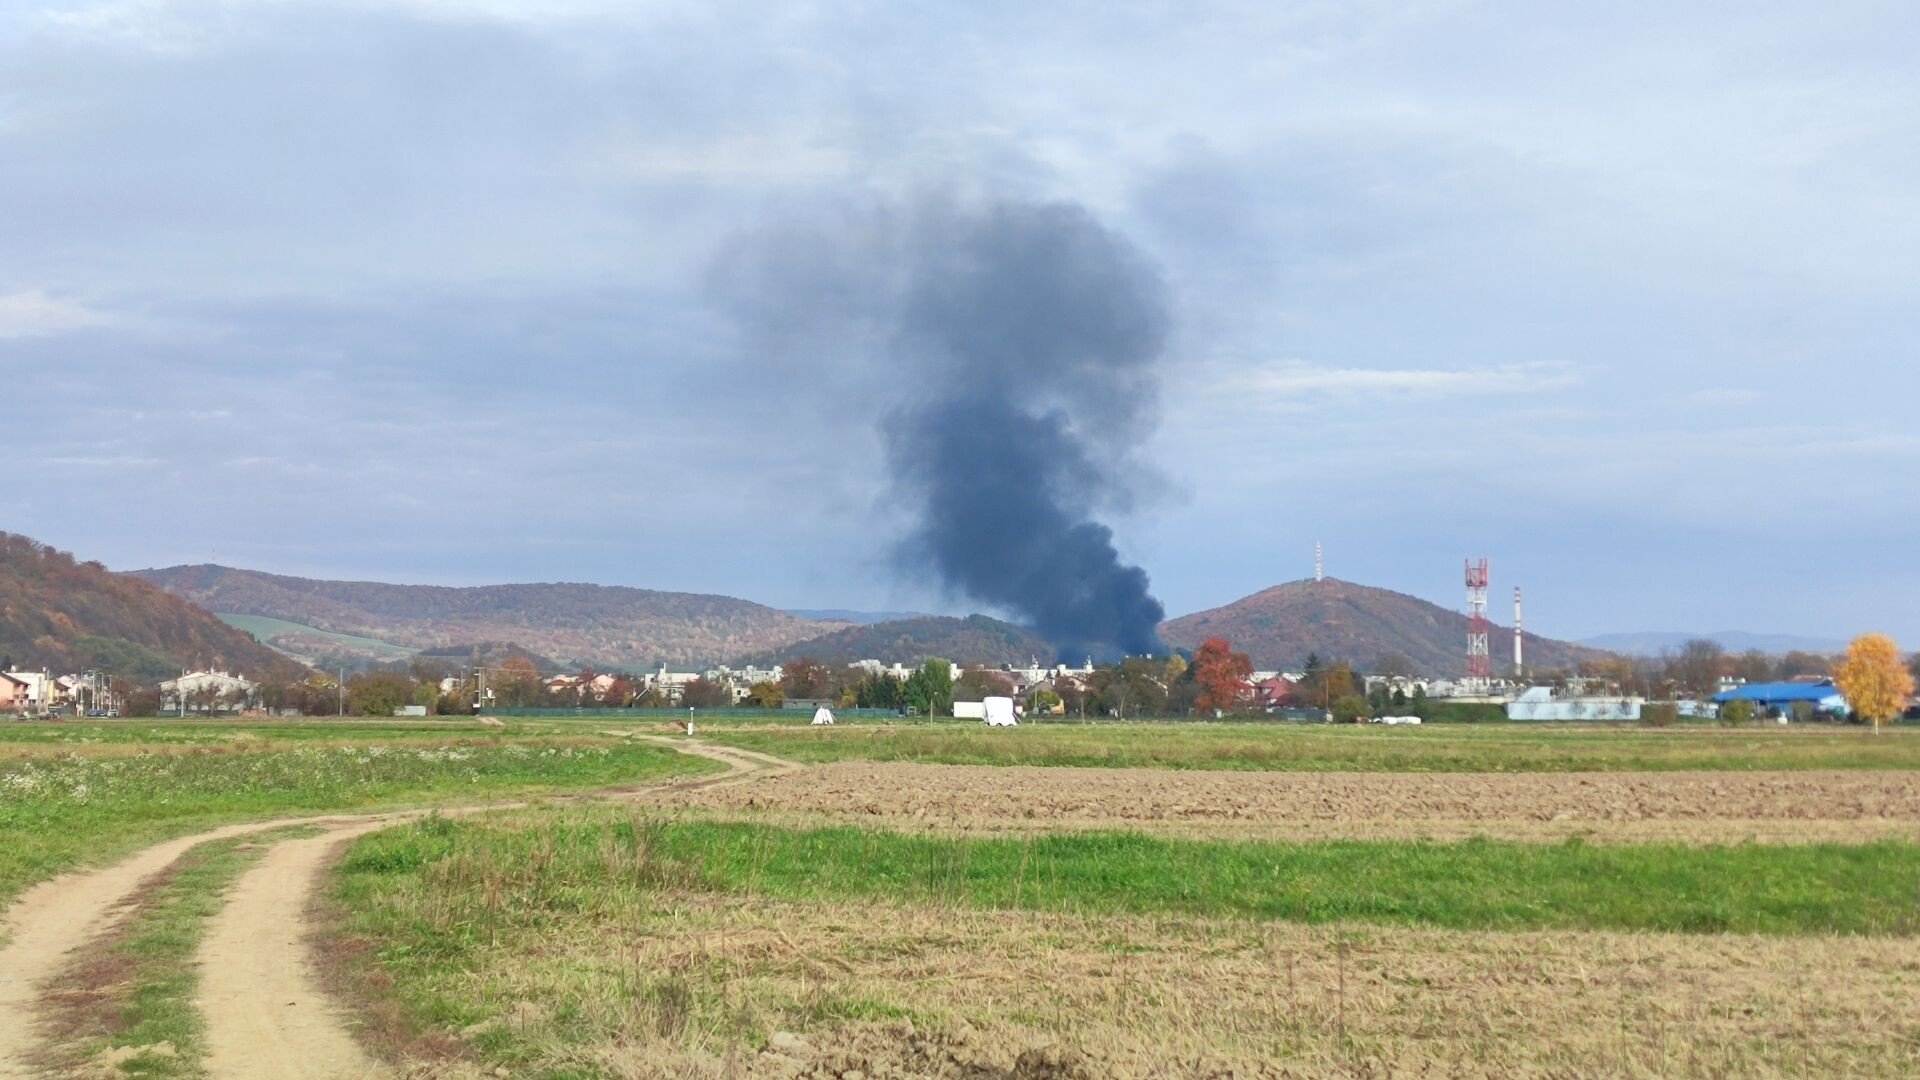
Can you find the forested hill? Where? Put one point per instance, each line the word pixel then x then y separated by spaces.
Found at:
pixel 64 616
pixel 1358 624
pixel 975 639
pixel 575 624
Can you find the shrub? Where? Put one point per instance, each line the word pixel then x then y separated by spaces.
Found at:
pixel 1460 712
pixel 1660 714
pixel 1736 713
pixel 1349 708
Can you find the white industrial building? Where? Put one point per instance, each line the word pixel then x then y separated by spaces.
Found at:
pixel 1543 703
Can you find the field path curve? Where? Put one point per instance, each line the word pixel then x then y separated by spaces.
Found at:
pixel 264 1014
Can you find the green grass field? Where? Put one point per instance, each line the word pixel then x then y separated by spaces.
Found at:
pixel 58 810
pixel 1285 747
pixel 553 863
pixel 92 736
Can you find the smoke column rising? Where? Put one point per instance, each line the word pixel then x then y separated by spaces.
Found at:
pixel 1023 340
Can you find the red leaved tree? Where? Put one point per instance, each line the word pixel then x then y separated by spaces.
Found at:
pixel 1221 674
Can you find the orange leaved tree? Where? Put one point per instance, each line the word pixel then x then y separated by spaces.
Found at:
pixel 1873 678
pixel 1221 673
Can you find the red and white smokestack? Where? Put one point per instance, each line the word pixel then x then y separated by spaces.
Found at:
pixel 1517 634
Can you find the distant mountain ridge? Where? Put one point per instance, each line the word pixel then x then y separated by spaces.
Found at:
pixel 858 618
pixel 64 615
pixel 976 639
pixel 618 628
pixel 1654 642
pixel 575 624
pixel 1339 620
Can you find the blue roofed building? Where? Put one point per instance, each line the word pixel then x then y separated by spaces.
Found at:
pixel 1782 696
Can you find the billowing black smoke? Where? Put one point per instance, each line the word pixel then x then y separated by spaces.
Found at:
pixel 1021 342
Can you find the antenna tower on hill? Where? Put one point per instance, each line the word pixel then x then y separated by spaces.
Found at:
pixel 1479 659
pixel 1319 568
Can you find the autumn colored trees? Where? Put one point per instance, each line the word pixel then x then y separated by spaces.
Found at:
pixel 806 678
pixel 1221 674
pixel 705 693
pixel 1875 681
pixel 979 684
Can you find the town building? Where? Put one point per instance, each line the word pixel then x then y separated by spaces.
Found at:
pixel 208 691
pixel 16 693
pixel 35 692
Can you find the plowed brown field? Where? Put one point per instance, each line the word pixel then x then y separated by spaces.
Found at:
pixel 1697 807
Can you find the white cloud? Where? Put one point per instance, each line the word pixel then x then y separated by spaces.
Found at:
pixel 1295 378
pixel 33 313
pixel 775 156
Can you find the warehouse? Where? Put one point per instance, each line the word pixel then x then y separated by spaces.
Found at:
pixel 1781 697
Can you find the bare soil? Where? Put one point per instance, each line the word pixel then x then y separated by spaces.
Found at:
pixel 266 1015
pixel 1699 807
pixel 47 927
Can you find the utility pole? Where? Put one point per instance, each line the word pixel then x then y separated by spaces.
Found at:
pixel 343 692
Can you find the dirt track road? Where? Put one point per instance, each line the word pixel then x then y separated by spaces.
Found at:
pixel 264 1015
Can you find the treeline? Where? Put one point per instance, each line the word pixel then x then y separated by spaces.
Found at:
pixel 1697 669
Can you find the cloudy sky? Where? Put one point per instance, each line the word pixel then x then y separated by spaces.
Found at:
pixel 423 290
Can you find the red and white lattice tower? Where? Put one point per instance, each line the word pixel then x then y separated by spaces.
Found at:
pixel 1479 659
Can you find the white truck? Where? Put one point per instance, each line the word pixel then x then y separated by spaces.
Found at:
pixel 1000 712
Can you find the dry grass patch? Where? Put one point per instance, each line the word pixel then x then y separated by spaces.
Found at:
pixel 1272 747
pixel 701 986
pixel 563 943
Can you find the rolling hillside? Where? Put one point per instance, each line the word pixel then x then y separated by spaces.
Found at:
pixel 1358 624
pixel 575 624
pixel 63 615
pixel 311 646
pixel 491 654
pixel 975 639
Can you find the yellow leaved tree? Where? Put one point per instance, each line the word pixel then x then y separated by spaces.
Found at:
pixel 1873 678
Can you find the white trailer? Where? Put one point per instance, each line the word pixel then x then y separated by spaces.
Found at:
pixel 999 712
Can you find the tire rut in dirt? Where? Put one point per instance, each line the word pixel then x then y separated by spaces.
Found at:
pixel 264 917
pixel 265 1013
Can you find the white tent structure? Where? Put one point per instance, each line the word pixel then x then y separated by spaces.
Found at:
pixel 999 712
pixel 822 717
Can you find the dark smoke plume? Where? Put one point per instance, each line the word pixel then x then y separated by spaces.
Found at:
pixel 1022 341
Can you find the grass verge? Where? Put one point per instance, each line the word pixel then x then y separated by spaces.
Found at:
pixel 127 1005
pixel 570 861
pixel 1279 747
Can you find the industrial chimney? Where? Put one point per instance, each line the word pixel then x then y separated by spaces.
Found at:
pixel 1517 634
